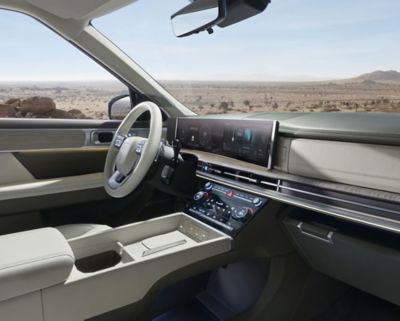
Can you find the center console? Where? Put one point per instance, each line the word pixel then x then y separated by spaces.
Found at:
pixel 44 277
pixel 224 208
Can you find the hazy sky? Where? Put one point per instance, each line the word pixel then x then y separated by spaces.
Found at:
pixel 291 40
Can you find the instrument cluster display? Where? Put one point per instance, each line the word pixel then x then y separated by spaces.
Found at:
pixel 248 140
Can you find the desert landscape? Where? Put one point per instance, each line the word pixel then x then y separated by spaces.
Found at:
pixel 378 91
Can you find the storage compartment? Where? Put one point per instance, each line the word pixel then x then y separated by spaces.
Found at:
pixel 365 258
pixel 140 241
pixel 103 257
pixel 127 261
pixel 98 261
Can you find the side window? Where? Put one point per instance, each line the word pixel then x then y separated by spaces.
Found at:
pixel 44 76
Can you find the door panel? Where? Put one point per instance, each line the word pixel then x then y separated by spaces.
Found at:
pixel 62 163
pixel 38 134
pixel 48 163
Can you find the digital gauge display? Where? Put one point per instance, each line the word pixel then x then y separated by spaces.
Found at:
pixel 248 140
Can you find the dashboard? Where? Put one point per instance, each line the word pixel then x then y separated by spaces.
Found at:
pixel 334 164
pixel 248 140
pixel 339 174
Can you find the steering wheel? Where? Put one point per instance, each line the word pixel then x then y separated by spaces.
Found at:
pixel 130 157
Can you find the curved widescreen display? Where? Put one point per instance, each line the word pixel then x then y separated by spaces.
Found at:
pixel 247 140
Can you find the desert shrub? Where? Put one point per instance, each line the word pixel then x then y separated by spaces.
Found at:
pixel 224 106
pixel 331 108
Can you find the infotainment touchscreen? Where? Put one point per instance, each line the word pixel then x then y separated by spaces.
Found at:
pixel 248 140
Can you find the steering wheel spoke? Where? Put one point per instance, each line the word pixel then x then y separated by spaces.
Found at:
pixel 119 140
pixel 116 180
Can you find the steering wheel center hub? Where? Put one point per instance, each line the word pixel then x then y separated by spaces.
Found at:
pixel 127 156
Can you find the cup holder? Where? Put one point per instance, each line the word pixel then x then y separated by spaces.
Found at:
pixel 98 261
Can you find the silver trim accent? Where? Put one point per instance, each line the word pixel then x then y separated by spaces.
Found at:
pixel 341 200
pixel 271 152
pixel 238 176
pixel 342 213
pixel 269 183
pixel 163 247
pixel 280 187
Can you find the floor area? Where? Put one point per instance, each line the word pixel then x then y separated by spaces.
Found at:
pixel 190 312
pixel 353 306
pixel 360 306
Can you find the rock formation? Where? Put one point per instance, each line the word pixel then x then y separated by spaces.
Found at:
pixel 37 107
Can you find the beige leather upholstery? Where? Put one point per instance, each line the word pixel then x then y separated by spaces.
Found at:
pixel 33 260
pixel 74 231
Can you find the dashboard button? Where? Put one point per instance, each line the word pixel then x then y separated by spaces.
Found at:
pixel 208 186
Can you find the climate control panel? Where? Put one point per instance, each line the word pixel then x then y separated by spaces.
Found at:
pixel 225 208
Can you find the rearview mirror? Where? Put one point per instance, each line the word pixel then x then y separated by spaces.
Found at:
pixel 203 15
pixel 198 16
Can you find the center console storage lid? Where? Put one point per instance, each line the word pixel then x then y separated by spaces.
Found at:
pixel 33 260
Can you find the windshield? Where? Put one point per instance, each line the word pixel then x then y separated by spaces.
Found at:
pixel 296 56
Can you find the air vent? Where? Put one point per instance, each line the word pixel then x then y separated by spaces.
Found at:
pixel 368 205
pixel 238 175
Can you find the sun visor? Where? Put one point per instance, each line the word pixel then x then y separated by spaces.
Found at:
pixel 78 9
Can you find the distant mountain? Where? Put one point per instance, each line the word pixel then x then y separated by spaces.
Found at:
pixel 379 76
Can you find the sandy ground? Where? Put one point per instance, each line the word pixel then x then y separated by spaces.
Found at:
pixel 223 97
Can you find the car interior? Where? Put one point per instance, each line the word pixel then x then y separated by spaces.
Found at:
pixel 166 215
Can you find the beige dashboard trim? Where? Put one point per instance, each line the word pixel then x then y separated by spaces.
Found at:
pixel 50 186
pixel 375 166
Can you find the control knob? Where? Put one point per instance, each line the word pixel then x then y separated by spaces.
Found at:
pixel 257 202
pixel 200 196
pixel 242 213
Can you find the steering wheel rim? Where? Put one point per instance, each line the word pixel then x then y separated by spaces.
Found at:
pixel 130 157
